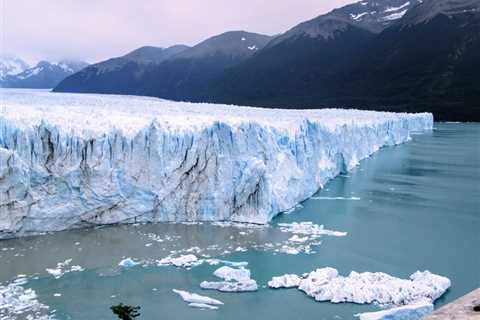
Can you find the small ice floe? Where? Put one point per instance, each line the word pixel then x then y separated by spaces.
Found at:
pixel 326 284
pixel 57 295
pixel 185 261
pixel 304 236
pixel 76 269
pixel 63 268
pixel 20 280
pixel 214 262
pixel 296 238
pixel 197 301
pixel 411 312
pixel 235 280
pixel 231 286
pixel 128 263
pixel 309 228
pixel 285 281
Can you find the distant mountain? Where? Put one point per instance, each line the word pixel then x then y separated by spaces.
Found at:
pixel 171 73
pixel 119 75
pixel 44 75
pixel 305 64
pixel 426 60
pixel 10 66
pixel 186 75
pixel 372 16
pixel 429 61
pixel 393 55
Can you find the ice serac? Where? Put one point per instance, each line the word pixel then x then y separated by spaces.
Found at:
pixel 71 161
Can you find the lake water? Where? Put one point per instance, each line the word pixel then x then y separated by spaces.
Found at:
pixel 407 208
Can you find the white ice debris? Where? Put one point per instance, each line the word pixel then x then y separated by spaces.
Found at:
pixel 71 161
pixel 410 312
pixel 128 263
pixel 235 280
pixel 17 302
pixel 196 298
pixel 285 281
pixel 231 286
pixel 308 228
pixel 184 261
pixel 230 274
pixel 327 285
pixel 63 268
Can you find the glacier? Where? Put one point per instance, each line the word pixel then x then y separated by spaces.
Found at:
pixel 72 161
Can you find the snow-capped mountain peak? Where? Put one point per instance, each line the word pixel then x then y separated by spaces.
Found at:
pixel 10 66
pixel 44 74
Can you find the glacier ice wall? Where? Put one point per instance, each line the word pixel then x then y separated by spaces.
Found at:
pixel 72 161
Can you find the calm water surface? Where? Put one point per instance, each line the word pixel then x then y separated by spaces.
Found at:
pixel 418 209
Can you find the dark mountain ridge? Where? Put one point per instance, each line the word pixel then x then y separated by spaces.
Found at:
pixel 392 55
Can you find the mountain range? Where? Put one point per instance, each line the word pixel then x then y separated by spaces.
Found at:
pixel 16 73
pixel 393 55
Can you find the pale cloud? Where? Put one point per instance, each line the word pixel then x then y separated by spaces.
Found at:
pixel 98 29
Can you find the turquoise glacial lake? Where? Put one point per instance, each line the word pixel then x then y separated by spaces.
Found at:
pixel 411 207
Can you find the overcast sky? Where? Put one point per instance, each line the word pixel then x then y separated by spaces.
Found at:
pixel 94 30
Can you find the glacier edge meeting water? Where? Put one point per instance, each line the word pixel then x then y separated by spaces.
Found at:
pixel 71 161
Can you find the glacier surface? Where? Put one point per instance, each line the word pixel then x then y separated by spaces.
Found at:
pixel 72 161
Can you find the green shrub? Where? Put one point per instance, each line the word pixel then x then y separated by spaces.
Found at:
pixel 125 312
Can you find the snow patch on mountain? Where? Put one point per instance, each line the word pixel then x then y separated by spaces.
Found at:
pixel 395 16
pixel 393 9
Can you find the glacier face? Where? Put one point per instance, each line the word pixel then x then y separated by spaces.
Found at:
pixel 71 161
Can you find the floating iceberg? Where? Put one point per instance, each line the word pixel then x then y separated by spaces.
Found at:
pixel 128 263
pixel 327 285
pixel 235 280
pixel 230 286
pixel 409 312
pixel 285 281
pixel 71 161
